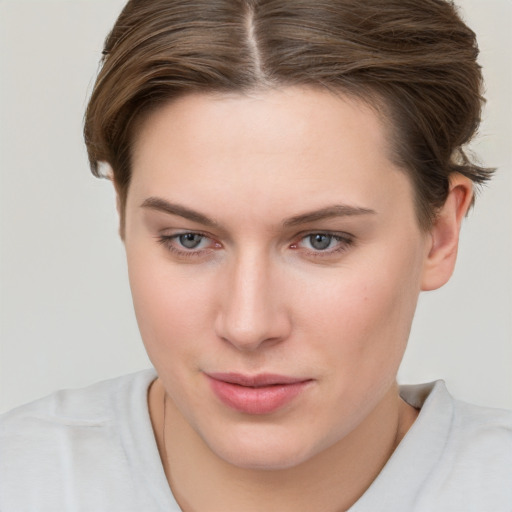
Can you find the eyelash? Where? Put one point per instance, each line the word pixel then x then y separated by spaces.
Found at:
pixel 168 241
pixel 345 241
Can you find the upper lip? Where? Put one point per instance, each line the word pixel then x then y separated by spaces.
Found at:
pixel 256 381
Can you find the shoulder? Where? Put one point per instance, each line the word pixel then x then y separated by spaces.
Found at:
pixel 475 425
pixel 44 421
pixel 471 447
pixel 465 427
pixel 456 457
pixel 479 447
pixel 91 405
pixel 59 445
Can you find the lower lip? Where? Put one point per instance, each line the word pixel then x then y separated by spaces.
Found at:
pixel 261 400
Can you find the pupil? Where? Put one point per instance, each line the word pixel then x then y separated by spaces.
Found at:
pixel 190 240
pixel 320 242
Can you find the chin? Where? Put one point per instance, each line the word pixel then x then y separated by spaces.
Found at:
pixel 263 461
pixel 262 451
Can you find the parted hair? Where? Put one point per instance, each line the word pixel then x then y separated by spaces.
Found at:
pixel 414 61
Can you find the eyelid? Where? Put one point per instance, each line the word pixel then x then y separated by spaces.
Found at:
pixel 345 241
pixel 344 235
pixel 169 242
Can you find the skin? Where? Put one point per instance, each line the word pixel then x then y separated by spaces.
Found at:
pixel 257 297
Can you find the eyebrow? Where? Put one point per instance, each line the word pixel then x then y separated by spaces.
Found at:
pixel 339 210
pixel 159 204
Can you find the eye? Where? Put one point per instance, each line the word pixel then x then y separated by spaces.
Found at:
pixel 190 240
pixel 324 243
pixel 189 244
pixel 320 241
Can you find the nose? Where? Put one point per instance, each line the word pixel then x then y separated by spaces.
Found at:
pixel 252 313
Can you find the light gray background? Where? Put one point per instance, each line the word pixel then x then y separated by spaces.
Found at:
pixel 66 318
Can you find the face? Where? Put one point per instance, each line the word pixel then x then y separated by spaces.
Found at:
pixel 275 262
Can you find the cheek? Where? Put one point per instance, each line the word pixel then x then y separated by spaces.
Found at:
pixel 363 317
pixel 171 307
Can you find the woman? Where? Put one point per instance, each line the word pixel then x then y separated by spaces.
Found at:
pixel 289 176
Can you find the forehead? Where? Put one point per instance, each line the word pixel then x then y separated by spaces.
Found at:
pixel 288 120
pixel 270 144
pixel 292 102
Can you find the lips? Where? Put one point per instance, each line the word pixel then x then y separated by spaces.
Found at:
pixel 256 394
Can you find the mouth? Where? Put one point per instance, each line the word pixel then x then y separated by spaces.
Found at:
pixel 256 394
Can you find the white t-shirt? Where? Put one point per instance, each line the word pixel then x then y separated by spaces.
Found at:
pixel 93 450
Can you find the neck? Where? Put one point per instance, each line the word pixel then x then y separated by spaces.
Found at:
pixel 333 480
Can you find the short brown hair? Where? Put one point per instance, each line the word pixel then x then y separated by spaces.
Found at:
pixel 413 59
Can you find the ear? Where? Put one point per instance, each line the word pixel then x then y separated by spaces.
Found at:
pixel 444 234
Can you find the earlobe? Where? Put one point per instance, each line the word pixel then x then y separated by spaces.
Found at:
pixel 442 255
